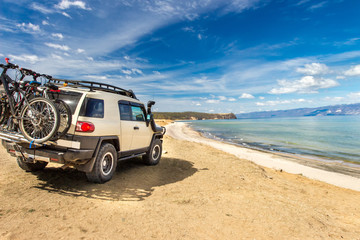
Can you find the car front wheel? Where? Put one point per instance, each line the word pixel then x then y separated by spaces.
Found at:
pixel 152 157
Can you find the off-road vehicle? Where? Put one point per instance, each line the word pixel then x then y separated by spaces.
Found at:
pixel 108 124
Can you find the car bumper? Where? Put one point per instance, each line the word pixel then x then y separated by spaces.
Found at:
pixel 75 156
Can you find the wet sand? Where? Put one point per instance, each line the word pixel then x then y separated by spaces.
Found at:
pixel 333 173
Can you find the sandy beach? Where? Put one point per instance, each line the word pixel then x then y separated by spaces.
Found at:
pixel 196 192
pixel 333 173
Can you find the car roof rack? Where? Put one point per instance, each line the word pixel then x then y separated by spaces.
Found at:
pixel 94 86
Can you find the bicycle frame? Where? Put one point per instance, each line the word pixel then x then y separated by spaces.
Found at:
pixel 5 79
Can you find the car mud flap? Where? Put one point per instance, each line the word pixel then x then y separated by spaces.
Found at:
pixel 87 167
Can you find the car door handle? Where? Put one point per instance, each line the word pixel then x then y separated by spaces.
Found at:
pixel 136 128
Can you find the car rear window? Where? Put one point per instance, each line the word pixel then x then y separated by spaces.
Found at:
pixel 70 98
pixel 92 107
pixel 125 112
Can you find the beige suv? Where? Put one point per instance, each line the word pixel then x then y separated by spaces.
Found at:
pixel 108 124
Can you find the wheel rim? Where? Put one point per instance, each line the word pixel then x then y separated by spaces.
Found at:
pixel 156 152
pixel 107 163
pixel 64 116
pixel 39 120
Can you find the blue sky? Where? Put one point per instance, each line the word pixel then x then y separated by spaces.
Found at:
pixel 208 56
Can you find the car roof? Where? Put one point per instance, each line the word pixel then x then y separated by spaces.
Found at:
pixel 99 94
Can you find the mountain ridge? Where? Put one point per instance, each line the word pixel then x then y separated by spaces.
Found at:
pixel 332 110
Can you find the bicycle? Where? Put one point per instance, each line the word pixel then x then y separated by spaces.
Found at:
pixel 37 119
pixel 49 91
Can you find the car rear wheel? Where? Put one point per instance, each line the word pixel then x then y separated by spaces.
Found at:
pixel 105 164
pixel 30 167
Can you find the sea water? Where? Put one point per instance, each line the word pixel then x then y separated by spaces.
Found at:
pixel 329 138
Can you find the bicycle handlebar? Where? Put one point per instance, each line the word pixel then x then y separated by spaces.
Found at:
pixel 9 65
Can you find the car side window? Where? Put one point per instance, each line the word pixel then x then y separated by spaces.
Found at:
pixel 137 114
pixel 125 112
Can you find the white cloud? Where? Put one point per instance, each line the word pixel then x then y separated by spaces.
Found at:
pixel 79 50
pixel 66 15
pixel 56 56
pixel 30 28
pixel 199 36
pixel 340 77
pixel 354 95
pixel 353 71
pixel 241 5
pixel 188 29
pixel 307 84
pixel 261 98
pixel 222 98
pixel 317 6
pixel 232 99
pixel 127 58
pixel 24 58
pixel 156 72
pixel 58 46
pixel 302 2
pixel 333 99
pixel 132 71
pixel 41 8
pixel 44 22
pixel 279 102
pixel 57 35
pixel 66 4
pixel 212 101
pixel 96 77
pixel 246 96
pixel 127 72
pixel 136 71
pixel 314 69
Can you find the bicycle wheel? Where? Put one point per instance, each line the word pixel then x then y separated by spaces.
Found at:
pixel 39 120
pixel 65 119
pixel 4 110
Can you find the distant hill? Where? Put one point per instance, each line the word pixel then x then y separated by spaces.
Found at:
pixel 192 115
pixel 346 109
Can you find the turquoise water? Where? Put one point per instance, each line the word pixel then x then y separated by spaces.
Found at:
pixel 333 138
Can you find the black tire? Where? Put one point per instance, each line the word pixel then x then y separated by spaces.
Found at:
pixel 39 120
pixel 65 119
pixel 30 167
pixel 4 110
pixel 105 164
pixel 153 156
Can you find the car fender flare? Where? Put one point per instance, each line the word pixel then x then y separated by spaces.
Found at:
pixel 87 167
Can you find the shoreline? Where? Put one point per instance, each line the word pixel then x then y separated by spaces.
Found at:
pixel 332 173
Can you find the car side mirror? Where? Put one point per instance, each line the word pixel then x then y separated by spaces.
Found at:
pixel 149 118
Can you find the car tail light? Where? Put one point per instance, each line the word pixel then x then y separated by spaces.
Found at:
pixel 84 127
